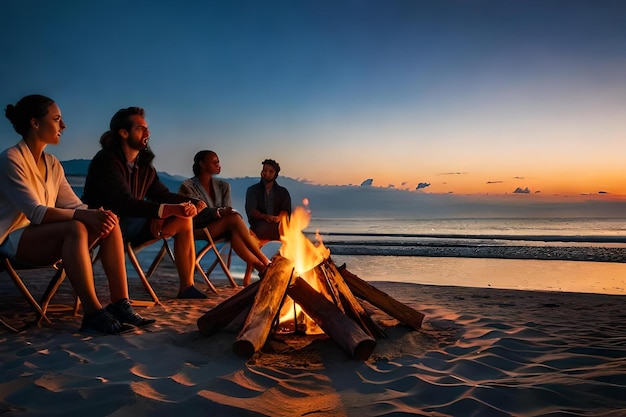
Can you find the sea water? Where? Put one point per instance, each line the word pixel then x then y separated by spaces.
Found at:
pixel 484 227
pixel 369 249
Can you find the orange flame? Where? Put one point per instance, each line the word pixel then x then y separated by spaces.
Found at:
pixel 305 256
pixel 296 247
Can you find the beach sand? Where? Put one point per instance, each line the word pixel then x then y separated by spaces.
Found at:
pixel 481 352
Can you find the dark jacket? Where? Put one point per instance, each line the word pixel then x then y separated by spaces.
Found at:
pixel 255 200
pixel 110 185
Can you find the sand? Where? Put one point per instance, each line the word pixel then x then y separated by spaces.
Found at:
pixel 482 352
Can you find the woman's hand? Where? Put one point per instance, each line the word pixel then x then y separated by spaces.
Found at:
pixel 110 222
pixel 200 205
pixel 100 221
pixel 225 211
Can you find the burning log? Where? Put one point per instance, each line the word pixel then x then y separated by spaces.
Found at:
pixel 267 303
pixel 382 300
pixel 346 300
pixel 224 313
pixel 335 324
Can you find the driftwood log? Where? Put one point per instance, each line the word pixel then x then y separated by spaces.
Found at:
pixel 351 306
pixel 267 303
pixel 341 328
pixel 382 300
pixel 224 313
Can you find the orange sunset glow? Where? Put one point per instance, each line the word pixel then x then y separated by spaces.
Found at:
pixel 434 97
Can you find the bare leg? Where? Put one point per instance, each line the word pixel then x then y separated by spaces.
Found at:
pixel 68 241
pixel 184 248
pixel 249 267
pixel 244 244
pixel 113 262
pixel 244 253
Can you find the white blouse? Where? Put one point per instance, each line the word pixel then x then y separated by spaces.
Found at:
pixel 25 194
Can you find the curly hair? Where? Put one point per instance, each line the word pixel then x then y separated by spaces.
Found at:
pixel 273 164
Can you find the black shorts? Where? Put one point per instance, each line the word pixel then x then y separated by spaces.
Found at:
pixel 136 230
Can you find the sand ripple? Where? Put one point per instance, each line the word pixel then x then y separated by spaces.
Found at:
pixel 480 353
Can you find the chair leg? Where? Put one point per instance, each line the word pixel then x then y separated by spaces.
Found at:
pixel 20 284
pixel 7 266
pixel 210 269
pixel 53 286
pixel 205 276
pixel 157 260
pixel 218 258
pixel 9 327
pixel 199 268
pixel 226 269
pixel 142 275
pixel 169 250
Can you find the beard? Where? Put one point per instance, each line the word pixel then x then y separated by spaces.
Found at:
pixel 138 145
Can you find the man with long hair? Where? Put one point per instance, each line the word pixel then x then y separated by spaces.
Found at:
pixel 121 178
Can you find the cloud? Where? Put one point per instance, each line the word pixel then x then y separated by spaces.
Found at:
pixel 494 182
pixel 518 178
pixel 520 190
pixel 422 185
pixel 453 173
pixel 367 183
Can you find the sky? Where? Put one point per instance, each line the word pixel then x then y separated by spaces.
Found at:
pixel 443 96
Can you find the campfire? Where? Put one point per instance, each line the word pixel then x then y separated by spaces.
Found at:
pixel 303 292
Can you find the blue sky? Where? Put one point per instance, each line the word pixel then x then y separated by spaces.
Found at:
pixel 467 96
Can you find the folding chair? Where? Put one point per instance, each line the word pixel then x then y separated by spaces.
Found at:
pixel 165 249
pixel 131 252
pixel 211 246
pixel 40 308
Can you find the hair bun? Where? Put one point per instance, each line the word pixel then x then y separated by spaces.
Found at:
pixel 10 112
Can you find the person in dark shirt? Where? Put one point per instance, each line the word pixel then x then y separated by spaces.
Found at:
pixel 121 178
pixel 266 202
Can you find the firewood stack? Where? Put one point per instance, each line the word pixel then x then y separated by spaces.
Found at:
pixel 334 308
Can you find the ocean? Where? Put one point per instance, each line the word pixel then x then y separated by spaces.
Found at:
pixel 569 254
pixel 566 228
